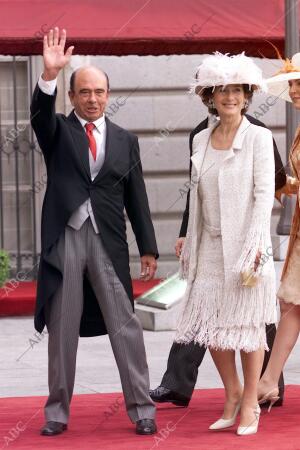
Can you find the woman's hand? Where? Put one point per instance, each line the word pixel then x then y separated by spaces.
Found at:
pixel 178 246
pixel 291 187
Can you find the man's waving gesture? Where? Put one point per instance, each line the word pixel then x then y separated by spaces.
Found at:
pixel 54 54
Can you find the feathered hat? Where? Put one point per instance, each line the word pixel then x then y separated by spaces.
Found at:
pixel 220 70
pixel 278 84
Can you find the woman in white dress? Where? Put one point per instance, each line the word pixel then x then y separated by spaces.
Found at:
pixel 227 255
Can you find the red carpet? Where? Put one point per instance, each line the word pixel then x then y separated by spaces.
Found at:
pixel 18 298
pixel 100 422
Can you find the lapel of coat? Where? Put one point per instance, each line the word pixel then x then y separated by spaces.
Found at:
pixel 200 148
pixel 112 148
pixel 81 144
pixel 240 135
pixel 203 139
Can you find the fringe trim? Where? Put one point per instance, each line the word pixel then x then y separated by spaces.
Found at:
pixel 256 241
pixel 227 318
pixel 248 339
pixel 185 257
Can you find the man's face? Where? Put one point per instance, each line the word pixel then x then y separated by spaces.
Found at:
pixel 90 95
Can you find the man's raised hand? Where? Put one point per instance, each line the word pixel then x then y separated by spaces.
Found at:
pixel 54 54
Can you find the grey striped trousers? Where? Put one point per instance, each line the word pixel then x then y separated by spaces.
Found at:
pixel 82 252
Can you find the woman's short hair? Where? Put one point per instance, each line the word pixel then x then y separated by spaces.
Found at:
pixel 207 95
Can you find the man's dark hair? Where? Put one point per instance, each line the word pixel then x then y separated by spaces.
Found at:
pixel 73 75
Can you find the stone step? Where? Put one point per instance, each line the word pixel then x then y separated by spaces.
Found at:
pixel 155 319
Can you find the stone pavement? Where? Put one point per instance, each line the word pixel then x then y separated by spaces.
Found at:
pixel 23 362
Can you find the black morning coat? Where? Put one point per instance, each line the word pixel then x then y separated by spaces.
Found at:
pixel 118 185
pixel 280 175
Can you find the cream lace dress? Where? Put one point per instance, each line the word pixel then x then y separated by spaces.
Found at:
pixel 212 316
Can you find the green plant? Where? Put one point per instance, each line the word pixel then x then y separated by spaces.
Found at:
pixel 4 267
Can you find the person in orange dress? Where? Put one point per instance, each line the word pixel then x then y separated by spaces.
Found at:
pixel 286 85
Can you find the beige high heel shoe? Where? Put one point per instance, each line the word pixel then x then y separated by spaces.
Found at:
pixel 221 424
pixel 271 396
pixel 251 429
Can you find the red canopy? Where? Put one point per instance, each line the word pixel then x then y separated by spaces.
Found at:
pixel 144 27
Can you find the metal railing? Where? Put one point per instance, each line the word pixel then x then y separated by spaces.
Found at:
pixel 20 161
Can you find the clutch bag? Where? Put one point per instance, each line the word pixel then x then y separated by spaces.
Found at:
pixel 248 278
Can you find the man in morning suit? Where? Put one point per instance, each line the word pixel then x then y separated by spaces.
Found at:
pixel 179 380
pixel 84 284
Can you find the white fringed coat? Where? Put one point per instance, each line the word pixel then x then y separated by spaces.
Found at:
pixel 246 194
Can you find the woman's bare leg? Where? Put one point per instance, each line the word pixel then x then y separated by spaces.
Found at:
pixel 252 364
pixel 285 340
pixel 225 363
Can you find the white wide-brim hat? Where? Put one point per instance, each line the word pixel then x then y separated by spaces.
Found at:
pixel 278 85
pixel 220 70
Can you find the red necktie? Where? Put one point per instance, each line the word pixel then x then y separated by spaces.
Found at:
pixel 92 141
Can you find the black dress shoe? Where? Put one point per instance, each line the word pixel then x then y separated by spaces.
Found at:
pixel 165 395
pixel 146 426
pixel 53 428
